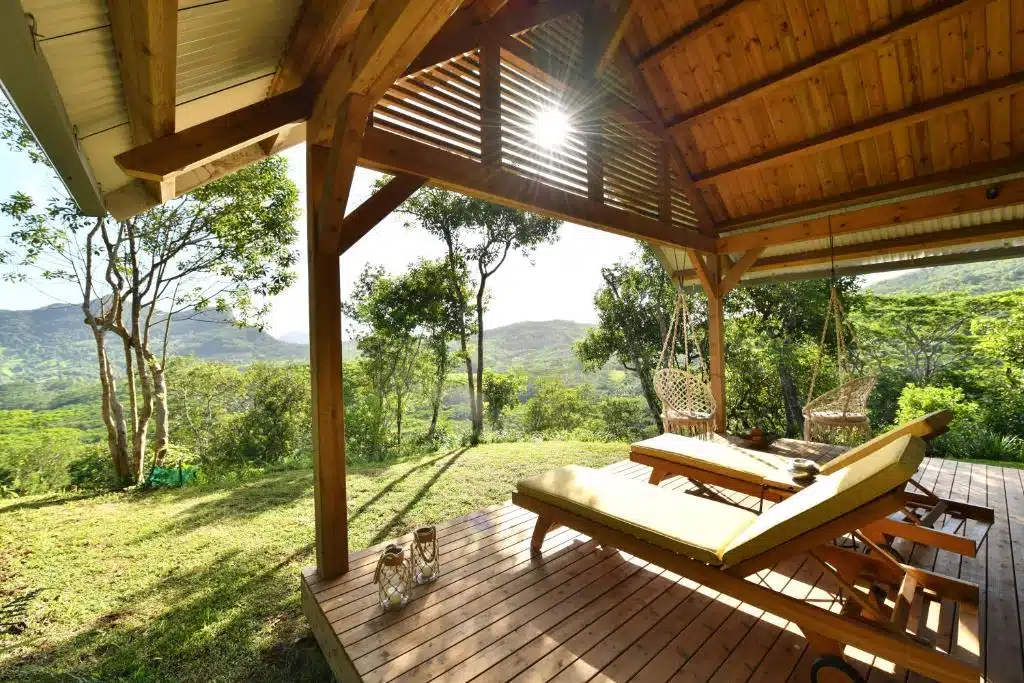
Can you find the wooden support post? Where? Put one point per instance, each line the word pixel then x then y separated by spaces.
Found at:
pixel 716 341
pixel 490 101
pixel 329 495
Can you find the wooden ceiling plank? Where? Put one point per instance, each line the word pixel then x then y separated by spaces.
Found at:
pixel 318 31
pixel 163 158
pixel 906 25
pixel 376 208
pixel 1003 87
pixel 396 154
pixel 689 33
pixel 464 31
pixel 957 202
pixel 389 37
pixel 145 36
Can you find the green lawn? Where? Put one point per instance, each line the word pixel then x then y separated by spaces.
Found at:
pixel 201 584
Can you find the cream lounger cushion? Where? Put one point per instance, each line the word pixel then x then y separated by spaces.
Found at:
pixel 923 427
pixel 829 497
pixel 714 532
pixel 730 461
pixel 676 521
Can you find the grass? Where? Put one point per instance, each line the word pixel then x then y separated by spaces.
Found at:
pixel 201 584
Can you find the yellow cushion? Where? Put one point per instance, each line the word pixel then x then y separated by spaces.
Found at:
pixel 684 524
pixel 727 460
pixel 924 427
pixel 829 497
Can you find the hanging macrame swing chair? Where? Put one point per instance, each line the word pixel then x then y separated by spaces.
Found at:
pixel 688 408
pixel 839 415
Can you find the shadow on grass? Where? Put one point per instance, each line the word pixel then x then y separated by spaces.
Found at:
pixel 385 531
pixel 398 480
pixel 49 501
pixel 236 619
pixel 237 504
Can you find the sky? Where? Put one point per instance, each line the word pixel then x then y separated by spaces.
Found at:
pixel 558 282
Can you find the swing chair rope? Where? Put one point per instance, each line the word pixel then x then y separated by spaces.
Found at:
pixel 680 316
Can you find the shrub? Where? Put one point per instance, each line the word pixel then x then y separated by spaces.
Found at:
pixel 916 401
pixel 558 407
pixel 626 418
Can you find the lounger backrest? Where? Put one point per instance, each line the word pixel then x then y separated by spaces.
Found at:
pixel 925 427
pixel 828 498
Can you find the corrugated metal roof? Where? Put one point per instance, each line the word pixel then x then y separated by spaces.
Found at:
pixel 231 42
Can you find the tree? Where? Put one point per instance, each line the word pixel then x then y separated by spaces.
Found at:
pixel 478 237
pixel 634 311
pixel 225 246
pixel 394 319
pixel 501 392
pixel 790 316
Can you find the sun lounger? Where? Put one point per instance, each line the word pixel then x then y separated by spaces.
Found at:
pixel 768 476
pixel 719 545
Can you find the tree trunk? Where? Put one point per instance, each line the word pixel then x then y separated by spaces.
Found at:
pixel 398 417
pixel 478 413
pixel 653 404
pixel 145 414
pixel 113 413
pixel 790 398
pixel 161 415
pixel 435 402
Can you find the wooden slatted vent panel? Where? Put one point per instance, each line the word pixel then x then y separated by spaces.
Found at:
pixel 441 107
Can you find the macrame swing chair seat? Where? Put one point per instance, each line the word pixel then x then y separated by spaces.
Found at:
pixel 839 415
pixel 688 407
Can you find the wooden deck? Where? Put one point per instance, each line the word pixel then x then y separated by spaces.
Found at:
pixel 582 613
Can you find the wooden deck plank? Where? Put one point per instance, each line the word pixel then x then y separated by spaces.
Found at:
pixel 579 612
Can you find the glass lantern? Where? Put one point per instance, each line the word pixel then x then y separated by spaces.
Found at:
pixel 393 578
pixel 425 566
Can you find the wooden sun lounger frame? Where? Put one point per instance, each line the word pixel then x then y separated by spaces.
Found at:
pixel 915 527
pixel 864 622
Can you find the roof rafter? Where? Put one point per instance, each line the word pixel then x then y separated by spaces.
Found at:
pixel 610 29
pixel 388 38
pixel 317 32
pixel 927 207
pixel 873 40
pixel 691 32
pixel 867 128
pixel 464 31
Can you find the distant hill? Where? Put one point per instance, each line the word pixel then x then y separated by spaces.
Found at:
pixel 971 278
pixel 54 343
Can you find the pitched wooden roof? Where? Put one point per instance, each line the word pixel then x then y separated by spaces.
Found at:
pixel 759 131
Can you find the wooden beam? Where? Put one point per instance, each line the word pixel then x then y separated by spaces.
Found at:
pixel 975 234
pixel 868 128
pixel 320 28
pixel 164 158
pixel 145 36
pixel 349 128
pixel 968 200
pixel 737 270
pixel 689 33
pixel 325 363
pixel 464 31
pixel 396 154
pixel 490 102
pixel 388 38
pixel 708 279
pixel 380 204
pixel 906 25
pixel 612 28
pixel 135 197
pixel 987 172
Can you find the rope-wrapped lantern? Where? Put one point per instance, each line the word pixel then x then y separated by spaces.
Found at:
pixel 425 564
pixel 393 577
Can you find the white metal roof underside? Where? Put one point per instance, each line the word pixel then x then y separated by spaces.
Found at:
pixel 228 51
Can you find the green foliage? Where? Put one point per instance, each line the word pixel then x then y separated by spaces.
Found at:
pixel 916 401
pixel 626 418
pixel 967 278
pixel 501 393
pixel 556 407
